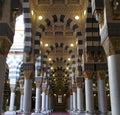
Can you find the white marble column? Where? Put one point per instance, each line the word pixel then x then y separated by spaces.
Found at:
pixel 47 102
pixel 74 101
pixel 50 103
pixel 43 101
pixel 89 96
pixel 38 101
pixel 71 102
pixel 27 96
pixel 21 101
pixel 102 105
pixel 79 99
pixel 114 81
pixel 12 100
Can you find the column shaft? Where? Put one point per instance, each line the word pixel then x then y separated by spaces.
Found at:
pixel 27 96
pixel 50 103
pixel 79 99
pixel 43 101
pixel 12 100
pixel 114 81
pixel 101 96
pixel 74 101
pixel 71 102
pixel 38 101
pixel 89 96
pixel 47 100
pixel 21 102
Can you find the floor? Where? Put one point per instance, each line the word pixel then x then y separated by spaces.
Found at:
pixel 59 113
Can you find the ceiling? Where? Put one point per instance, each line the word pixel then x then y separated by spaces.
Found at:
pixel 58 36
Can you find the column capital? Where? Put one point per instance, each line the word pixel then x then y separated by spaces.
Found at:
pixel 28 74
pixel 22 91
pixel 88 74
pixel 74 88
pixel 38 84
pixel 79 84
pixel 111 45
pixel 101 75
pixel 79 81
pixel 28 68
pixel 12 89
pixel 5 45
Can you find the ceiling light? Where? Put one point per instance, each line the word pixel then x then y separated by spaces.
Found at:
pixel 32 12
pixel 69 59
pixel 49 59
pixel 46 45
pixel 84 12
pixel 40 17
pixel 71 45
pixel 41 42
pixel 51 68
pixel 67 68
pixel 77 17
pixel 76 42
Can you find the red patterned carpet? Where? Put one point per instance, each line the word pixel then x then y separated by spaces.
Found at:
pixel 59 113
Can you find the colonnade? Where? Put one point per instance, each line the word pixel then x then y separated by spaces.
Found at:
pixel 109 25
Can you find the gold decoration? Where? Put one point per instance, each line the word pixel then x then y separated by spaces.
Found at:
pixel 112 46
pixel 12 89
pixel 28 74
pixel 88 74
pixel 100 75
pixel 38 84
pixel 79 84
pixel 5 45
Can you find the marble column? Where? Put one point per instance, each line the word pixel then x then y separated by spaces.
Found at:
pixel 47 102
pixel 21 82
pixel 79 97
pixel 102 105
pixel 49 96
pixel 110 39
pixel 43 101
pixel 71 101
pixel 114 79
pixel 27 91
pixel 89 93
pixel 21 101
pixel 2 78
pixel 74 97
pixel 12 99
pixel 43 108
pixel 38 98
pixel 38 80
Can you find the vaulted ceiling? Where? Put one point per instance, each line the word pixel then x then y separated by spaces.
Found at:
pixel 55 21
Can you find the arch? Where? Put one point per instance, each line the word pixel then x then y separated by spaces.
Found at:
pixel 14 63
pixel 47 23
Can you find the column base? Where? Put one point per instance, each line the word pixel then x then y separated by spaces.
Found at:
pixel 36 114
pixel 26 113
pixel 80 112
pixel 10 113
pixel 90 113
pixel 43 112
